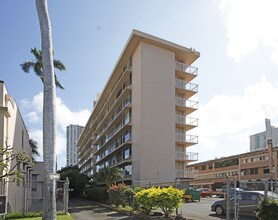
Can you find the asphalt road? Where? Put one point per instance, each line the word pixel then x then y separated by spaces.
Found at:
pixel 202 210
pixel 83 209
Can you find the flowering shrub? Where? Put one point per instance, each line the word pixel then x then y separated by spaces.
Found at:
pixel 146 200
pixel 165 198
pixel 116 194
pixel 168 199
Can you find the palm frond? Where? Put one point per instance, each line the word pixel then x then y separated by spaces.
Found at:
pixel 59 65
pixel 34 146
pixel 57 83
pixel 37 53
pixel 26 66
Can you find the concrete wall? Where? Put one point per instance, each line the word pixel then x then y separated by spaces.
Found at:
pixel 153 97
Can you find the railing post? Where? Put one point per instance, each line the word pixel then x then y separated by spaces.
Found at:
pixel 66 196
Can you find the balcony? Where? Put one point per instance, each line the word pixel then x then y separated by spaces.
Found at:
pixel 187 173
pixel 186 156
pixel 186 89
pixel 183 104
pixel 186 123
pixel 186 72
pixel 186 140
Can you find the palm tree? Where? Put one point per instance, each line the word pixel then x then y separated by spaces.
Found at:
pixel 49 113
pixel 108 175
pixel 34 147
pixel 37 66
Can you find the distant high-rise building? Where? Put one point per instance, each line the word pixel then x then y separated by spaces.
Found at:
pixel 73 133
pixel 258 141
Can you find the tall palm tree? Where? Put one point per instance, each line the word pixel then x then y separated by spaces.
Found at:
pixel 34 147
pixel 49 113
pixel 37 66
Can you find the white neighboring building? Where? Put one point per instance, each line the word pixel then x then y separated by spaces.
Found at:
pixel 73 133
pixel 258 141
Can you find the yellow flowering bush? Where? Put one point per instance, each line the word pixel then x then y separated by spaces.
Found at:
pixel 165 198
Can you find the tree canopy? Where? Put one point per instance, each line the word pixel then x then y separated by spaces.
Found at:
pixel 77 180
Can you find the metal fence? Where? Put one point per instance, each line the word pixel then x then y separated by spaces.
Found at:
pixel 27 196
pixel 235 208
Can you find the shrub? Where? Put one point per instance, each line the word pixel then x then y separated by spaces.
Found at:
pixel 168 199
pixel 96 194
pixel 129 196
pixel 146 200
pixel 165 198
pixel 116 194
pixel 267 210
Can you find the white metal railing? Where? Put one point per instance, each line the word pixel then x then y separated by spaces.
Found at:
pixel 187 138
pixel 187 86
pixel 189 156
pixel 186 103
pixel 186 173
pixel 181 119
pixel 186 68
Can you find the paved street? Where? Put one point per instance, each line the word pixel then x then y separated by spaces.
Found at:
pixel 83 209
pixel 202 210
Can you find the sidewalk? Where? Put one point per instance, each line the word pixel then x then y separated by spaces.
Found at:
pixel 82 209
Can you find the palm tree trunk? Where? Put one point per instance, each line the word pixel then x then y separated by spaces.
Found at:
pixel 49 116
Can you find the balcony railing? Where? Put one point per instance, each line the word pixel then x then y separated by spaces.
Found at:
pixel 181 119
pixel 186 68
pixel 186 173
pixel 192 139
pixel 186 103
pixel 187 156
pixel 187 86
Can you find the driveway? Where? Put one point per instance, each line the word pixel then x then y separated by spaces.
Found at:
pixel 82 209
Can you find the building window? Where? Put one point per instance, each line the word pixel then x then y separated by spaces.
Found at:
pixel 210 166
pixel 203 167
pixel 127 153
pixel 34 182
pixel 266 170
pixel 254 171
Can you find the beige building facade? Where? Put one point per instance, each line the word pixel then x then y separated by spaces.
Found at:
pixel 141 121
pixel 248 167
pixel 13 133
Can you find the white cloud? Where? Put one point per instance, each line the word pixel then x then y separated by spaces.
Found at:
pixel 32 111
pixel 250 23
pixel 33 117
pixel 227 121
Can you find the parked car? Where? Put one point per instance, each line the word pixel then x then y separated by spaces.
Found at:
pixel 205 192
pixel 247 201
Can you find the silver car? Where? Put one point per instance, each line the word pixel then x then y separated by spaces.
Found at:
pixel 247 201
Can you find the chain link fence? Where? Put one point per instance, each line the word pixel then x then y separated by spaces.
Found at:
pixel 241 190
pixel 27 196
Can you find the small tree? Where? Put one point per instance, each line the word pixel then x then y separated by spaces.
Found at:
pixel 7 155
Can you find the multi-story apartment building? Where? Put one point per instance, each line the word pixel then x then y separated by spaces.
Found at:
pixel 13 133
pixel 253 166
pixel 73 133
pixel 140 123
pixel 258 141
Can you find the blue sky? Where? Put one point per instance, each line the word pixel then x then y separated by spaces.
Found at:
pixel 238 66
